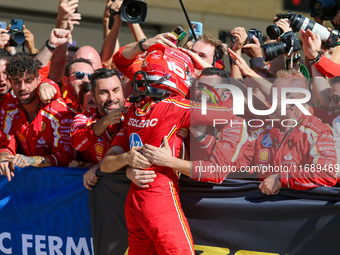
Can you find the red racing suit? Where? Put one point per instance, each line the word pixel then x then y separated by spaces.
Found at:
pixel 47 135
pixel 126 66
pixel 154 217
pixel 305 156
pixel 92 147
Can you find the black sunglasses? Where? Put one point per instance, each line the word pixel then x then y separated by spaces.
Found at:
pixel 81 75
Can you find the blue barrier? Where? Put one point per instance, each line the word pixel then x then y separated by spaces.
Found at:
pixel 45 211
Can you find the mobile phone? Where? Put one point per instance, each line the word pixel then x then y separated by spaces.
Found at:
pixel 3 24
pixel 198 28
pixel 180 33
pixel 17 24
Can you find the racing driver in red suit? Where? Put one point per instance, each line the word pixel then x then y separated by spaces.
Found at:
pixel 155 220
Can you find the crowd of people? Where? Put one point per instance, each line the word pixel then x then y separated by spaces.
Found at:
pixel 138 108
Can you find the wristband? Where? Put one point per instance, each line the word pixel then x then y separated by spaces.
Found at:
pixel 141 46
pixel 317 59
pixel 201 137
pixel 49 46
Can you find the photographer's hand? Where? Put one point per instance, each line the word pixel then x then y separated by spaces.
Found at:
pixel 240 38
pixel 4 37
pixel 65 9
pixel 284 24
pixel 115 5
pixel 29 40
pixel 311 43
pixel 73 20
pixel 253 50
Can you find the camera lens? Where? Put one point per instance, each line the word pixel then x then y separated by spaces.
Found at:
pixel 273 50
pixel 17 38
pixel 274 31
pixel 133 10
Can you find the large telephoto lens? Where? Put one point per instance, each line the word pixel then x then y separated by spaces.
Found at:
pixel 301 22
pixel 273 50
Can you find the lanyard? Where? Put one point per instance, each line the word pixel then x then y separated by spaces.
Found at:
pixel 288 133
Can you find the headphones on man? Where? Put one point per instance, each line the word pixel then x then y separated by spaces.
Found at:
pixel 218 57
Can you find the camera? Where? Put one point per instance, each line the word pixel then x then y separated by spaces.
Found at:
pixel 180 33
pixel 252 32
pixel 297 22
pixel 17 36
pixel 133 11
pixel 288 43
pixel 324 9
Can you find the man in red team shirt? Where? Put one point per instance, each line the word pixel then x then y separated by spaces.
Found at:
pixel 47 89
pixel 41 132
pixel 77 71
pixel 92 131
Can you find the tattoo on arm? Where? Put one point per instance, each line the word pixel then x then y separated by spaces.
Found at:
pixel 38 161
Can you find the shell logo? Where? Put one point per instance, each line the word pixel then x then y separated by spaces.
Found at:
pixel 99 148
pixel 43 126
pixel 264 155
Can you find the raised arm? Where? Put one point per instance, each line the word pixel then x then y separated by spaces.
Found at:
pixel 111 44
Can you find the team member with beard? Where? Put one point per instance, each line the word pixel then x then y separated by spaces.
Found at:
pixel 93 130
pixel 40 131
pixel 46 90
